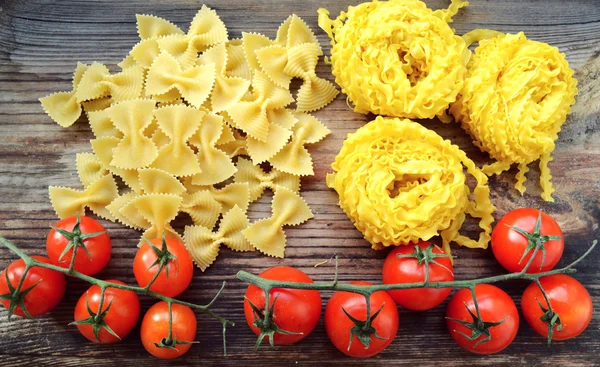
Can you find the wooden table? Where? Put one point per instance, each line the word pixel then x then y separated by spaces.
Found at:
pixel 40 43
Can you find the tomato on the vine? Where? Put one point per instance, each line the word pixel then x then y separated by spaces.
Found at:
pixel 407 264
pixel 85 236
pixel 155 330
pixel 345 317
pixel 519 232
pixel 294 312
pixel 120 312
pixel 40 291
pixel 497 326
pixel 177 266
pixel 569 300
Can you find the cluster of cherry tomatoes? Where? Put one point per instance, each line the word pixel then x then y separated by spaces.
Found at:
pixel 42 289
pixel 489 328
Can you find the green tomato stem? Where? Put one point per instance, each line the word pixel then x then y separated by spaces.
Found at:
pixel 31 262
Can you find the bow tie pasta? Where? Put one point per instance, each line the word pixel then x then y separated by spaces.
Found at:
pixel 172 123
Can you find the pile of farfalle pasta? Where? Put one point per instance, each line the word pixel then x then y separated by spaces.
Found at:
pixel 399 182
pixel 189 124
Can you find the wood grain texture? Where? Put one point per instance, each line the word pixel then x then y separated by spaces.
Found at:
pixel 40 43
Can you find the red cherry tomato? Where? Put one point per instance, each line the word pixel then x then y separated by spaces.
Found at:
pixel 397 270
pixel 569 299
pixel 509 245
pixel 338 324
pixel 121 317
pixel 295 310
pixel 155 328
pixel 98 247
pixel 181 267
pixel 48 287
pixel 495 306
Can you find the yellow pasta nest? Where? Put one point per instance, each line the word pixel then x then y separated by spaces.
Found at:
pixel 400 182
pixel 515 99
pixel 171 124
pixel 398 57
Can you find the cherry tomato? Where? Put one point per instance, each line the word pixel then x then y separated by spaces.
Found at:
pixel 509 245
pixel 48 287
pixel 180 267
pixel 412 270
pixel 569 299
pixel 338 324
pixel 295 310
pixel 121 317
pixel 155 329
pixel 495 306
pixel 98 246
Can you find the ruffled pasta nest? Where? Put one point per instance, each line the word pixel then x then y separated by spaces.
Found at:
pixel 400 182
pixel 397 58
pixel 515 99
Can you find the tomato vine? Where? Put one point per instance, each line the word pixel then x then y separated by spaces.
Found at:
pixel 30 262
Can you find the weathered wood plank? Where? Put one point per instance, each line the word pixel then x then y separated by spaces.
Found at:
pixel 40 43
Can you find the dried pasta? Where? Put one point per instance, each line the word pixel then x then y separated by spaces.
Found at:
pixel 399 182
pixel 397 58
pixel 171 124
pixel 516 97
pixel 266 235
pixel 203 244
pixel 258 180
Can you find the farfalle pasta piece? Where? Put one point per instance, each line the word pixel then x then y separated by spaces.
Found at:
pixel 293 32
pixel 515 98
pixel 194 84
pixel 203 244
pixel 258 180
pixel 159 210
pixel 267 235
pixel 238 146
pixel 397 58
pixel 251 116
pixel 101 124
pixel 89 168
pixel 237 66
pixel 157 181
pixel 135 150
pixel 131 217
pixel 206 30
pixel 202 208
pixel 97 82
pixel 216 166
pixel 179 123
pixel 315 93
pixel 68 202
pixel 103 149
pixel 150 26
pixel 400 182
pixel 63 107
pixel 251 43
pixel 228 90
pixel 294 158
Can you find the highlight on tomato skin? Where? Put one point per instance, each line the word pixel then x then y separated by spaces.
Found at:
pixel 514 235
pixel 410 268
pixel 570 301
pixel 499 319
